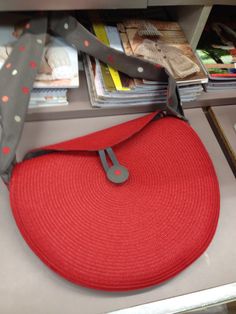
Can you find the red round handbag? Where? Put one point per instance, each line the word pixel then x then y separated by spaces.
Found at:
pixel 124 236
pixel 120 209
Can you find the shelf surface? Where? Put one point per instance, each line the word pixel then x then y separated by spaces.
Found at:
pixel 222 120
pixel 226 118
pixel 213 99
pixel 80 107
pixel 28 286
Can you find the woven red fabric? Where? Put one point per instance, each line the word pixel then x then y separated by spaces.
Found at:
pixel 120 237
pixel 105 138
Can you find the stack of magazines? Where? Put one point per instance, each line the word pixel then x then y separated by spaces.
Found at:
pixel 217 52
pixel 160 42
pixel 59 68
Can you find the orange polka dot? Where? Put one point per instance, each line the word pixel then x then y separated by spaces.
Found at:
pixel 86 43
pixel 6 150
pixel 5 98
pixel 8 65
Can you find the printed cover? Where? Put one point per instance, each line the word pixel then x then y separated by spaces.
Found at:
pixel 163 43
pixel 59 66
pixel 217 49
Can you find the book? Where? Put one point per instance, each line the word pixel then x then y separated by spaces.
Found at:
pixel 108 36
pixel 44 97
pixel 121 36
pixel 217 49
pixel 101 97
pixel 59 66
pixel 162 42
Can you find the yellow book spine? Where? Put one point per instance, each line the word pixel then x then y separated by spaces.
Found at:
pixel 101 34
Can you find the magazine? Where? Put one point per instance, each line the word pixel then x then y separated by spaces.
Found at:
pixel 164 43
pixel 101 97
pixel 217 50
pixel 59 67
pixel 45 97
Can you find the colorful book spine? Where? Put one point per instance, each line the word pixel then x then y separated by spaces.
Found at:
pixel 100 31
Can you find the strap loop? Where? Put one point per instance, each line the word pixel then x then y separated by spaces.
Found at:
pixel 116 173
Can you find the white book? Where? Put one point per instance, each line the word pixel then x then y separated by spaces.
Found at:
pixel 59 67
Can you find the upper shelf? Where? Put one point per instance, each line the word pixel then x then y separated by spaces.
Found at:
pixel 32 5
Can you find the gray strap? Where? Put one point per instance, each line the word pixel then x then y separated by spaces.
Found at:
pixel 16 81
pixel 78 36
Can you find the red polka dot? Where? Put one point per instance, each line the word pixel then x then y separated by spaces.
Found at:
pixel 158 66
pixel 8 65
pixel 25 90
pixel 110 59
pixel 22 48
pixel 27 26
pixel 117 172
pixel 5 98
pixel 6 150
pixel 170 100
pixel 33 64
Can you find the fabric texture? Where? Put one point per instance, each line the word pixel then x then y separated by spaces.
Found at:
pixel 117 238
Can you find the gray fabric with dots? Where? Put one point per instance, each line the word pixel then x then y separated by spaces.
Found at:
pixel 19 71
pixel 16 82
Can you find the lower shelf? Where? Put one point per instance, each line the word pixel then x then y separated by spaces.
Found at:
pixel 80 107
